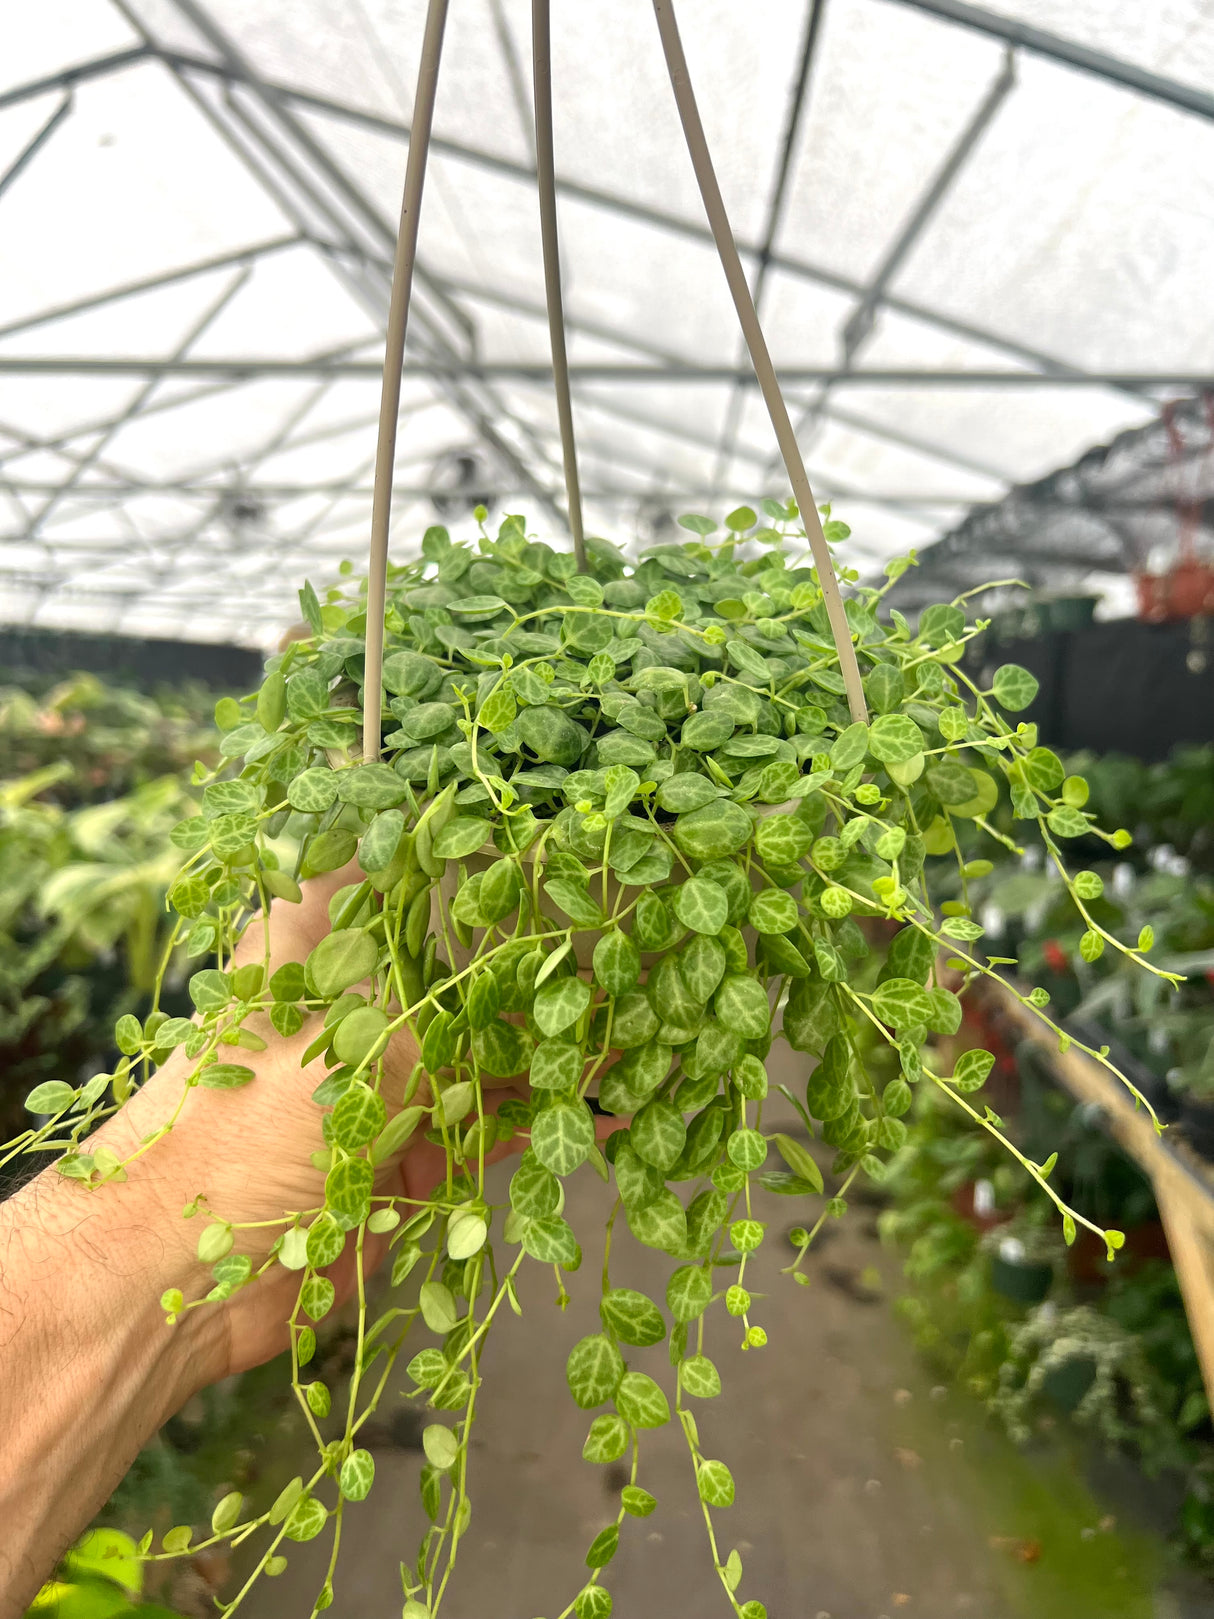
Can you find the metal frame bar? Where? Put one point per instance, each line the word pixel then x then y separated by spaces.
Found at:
pixel 596 371
pixel 514 73
pixel 1069 53
pixel 613 202
pixel 135 406
pixel 655 351
pixel 482 416
pixel 789 264
pixel 37 141
pixel 797 98
pixel 859 325
pixel 99 68
pixel 860 322
pixel 681 490
pixel 133 289
pixel 359 259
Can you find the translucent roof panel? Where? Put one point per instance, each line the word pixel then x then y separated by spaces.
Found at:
pixel 979 241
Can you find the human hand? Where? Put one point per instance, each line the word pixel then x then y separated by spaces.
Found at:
pixel 83 1268
pixel 248 1154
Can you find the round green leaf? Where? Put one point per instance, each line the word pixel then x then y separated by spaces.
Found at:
pixel 715 1483
pixel 341 960
pixel 559 1003
pixel 552 1242
pixel 894 738
pixel 850 746
pixel 502 1050
pixel 1014 687
pixel 633 1318
pixel 700 1377
pixel 358 1117
pixel 707 730
pixel 440 1445
pixel 658 1134
pixel 467 1236
pixel 307 1519
pixel 313 791
pixel 781 840
pixel 593 1371
pixel 371 786
pixel 357 1475
pixel 593 1602
pixel 562 1136
pixel 52 1096
pixel 741 1005
pixel 359 1035
pixel 551 735
pixel 689 1292
pixel 747 1149
pixel 902 1004
pixel 688 791
pixel 535 1191
pixel 640 1401
pixel 348 1188
pixel 607 1440
pixel 461 837
pixel 603 1547
pixel 701 905
pixel 556 1065
pixel 773 911
pixel 713 831
pixel 661 1223
pixel 381 840
pixel 617 963
pixel 576 901
pixel 438 1307
pixel 701 966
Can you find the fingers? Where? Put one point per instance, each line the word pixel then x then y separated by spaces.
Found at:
pixel 295 929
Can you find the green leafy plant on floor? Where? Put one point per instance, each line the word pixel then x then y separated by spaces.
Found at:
pixel 85 860
pixel 1112 1356
pixel 100 1578
pixel 624 816
pixel 1167 1024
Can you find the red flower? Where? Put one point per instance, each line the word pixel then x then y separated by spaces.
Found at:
pixel 1056 958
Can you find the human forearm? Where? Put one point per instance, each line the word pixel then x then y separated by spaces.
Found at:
pixel 90 1370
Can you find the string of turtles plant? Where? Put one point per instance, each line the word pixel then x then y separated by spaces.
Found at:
pixel 624 828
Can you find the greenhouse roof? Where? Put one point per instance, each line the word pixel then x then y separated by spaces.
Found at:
pixel 980 243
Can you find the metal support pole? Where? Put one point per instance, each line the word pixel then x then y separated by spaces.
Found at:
pixel 394 360
pixel 33 146
pixel 714 206
pixel 545 173
pixel 862 319
pixel 775 212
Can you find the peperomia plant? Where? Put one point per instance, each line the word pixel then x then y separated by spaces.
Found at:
pixel 623 830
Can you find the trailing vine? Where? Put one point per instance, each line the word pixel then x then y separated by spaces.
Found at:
pixel 624 832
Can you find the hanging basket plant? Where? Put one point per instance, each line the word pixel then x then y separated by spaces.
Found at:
pixel 625 827
pixel 624 833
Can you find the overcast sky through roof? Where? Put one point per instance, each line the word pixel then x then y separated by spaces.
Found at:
pixel 197 206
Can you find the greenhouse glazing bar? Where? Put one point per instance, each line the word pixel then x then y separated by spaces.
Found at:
pixel 815 11
pixel 300 157
pixel 1068 52
pixel 790 264
pixel 880 377
pixel 626 207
